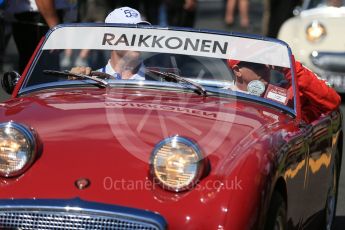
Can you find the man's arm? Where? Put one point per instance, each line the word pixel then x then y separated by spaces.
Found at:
pixel 315 90
pixel 48 11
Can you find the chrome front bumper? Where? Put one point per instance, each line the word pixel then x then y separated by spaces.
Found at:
pixel 331 67
pixel 329 61
pixel 74 214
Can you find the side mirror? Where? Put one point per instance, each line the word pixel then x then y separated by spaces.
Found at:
pixel 9 81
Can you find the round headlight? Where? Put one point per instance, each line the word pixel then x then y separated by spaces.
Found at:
pixel 17 149
pixel 315 31
pixel 177 164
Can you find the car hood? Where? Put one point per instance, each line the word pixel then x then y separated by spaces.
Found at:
pixel 107 137
pixel 150 116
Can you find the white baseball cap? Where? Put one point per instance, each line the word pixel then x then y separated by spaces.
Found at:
pixel 125 15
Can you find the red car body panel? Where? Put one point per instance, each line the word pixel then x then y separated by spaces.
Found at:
pixel 105 136
pixel 82 144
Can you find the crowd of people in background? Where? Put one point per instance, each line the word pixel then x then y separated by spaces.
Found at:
pixel 28 20
pixel 243 8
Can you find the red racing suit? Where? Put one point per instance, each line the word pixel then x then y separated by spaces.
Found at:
pixel 315 95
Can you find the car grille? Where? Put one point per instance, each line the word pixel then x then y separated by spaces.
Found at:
pixel 49 220
pixel 75 218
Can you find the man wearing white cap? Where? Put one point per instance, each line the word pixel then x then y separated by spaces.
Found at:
pixel 123 64
pixel 125 15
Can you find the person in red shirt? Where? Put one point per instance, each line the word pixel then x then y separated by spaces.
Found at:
pixel 316 96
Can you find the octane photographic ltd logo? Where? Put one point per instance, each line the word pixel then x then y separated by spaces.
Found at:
pixel 112 184
pixel 142 117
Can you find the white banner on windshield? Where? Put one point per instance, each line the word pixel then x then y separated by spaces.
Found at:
pixel 169 41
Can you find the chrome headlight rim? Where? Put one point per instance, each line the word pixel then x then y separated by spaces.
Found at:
pixel 200 164
pixel 31 136
pixel 312 26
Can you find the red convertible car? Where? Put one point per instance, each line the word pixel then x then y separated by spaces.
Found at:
pixel 154 134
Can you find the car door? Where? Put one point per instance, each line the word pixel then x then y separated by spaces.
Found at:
pixel 295 173
pixel 318 175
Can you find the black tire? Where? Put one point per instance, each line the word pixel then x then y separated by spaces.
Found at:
pixel 332 196
pixel 276 215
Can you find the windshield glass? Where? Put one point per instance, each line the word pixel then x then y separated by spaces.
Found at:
pixel 321 3
pixel 247 67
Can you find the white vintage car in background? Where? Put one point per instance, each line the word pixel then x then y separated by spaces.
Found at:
pixel 317 38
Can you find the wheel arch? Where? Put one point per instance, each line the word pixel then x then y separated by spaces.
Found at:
pixel 281 189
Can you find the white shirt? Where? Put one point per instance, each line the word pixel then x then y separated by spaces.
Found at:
pixel 21 6
pixel 140 75
pixel 233 87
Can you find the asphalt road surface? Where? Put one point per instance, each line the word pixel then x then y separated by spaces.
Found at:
pixel 210 16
